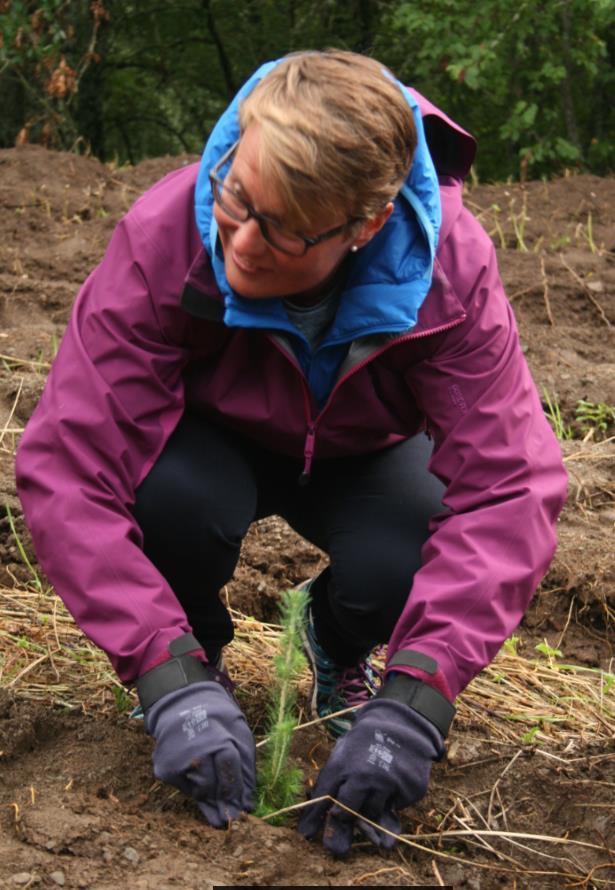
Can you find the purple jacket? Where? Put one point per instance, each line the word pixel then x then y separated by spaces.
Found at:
pixel 145 340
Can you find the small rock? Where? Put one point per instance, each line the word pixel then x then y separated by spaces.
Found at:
pixel 596 286
pixel 130 854
pixel 58 877
pixel 22 877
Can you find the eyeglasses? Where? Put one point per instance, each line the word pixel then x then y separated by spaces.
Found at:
pixel 239 210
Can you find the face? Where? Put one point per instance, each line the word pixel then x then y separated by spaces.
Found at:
pixel 254 268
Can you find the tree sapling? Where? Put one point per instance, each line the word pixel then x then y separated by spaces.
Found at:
pixel 278 783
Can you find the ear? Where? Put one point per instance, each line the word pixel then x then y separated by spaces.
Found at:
pixel 372 226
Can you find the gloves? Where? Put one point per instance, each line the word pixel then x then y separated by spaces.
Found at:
pixel 205 748
pixel 381 765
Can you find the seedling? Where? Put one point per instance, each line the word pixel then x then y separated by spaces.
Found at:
pixel 36 581
pixel 498 226
pixel 278 783
pixel 122 700
pixel 548 651
pixel 518 222
pixel 510 645
pixel 594 417
pixel 529 737
pixel 587 233
pixel 608 683
pixel 554 416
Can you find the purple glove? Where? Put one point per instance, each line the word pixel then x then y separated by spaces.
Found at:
pixel 205 748
pixel 380 766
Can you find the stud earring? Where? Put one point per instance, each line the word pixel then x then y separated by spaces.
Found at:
pixel 354 248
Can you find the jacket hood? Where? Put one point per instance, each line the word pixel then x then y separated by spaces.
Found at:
pixel 388 279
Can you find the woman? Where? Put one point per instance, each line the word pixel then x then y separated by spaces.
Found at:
pixel 284 350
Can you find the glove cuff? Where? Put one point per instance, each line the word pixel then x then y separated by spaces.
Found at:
pixel 178 671
pixel 421 697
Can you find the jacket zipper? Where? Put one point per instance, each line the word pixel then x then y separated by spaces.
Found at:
pixel 312 423
pixel 308 454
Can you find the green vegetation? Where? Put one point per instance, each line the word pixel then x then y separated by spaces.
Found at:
pixel 548 651
pixel 592 420
pixel 526 77
pixel 122 700
pixel 35 583
pixel 125 79
pixel 510 645
pixel 278 783
pixel 554 416
pixel 595 419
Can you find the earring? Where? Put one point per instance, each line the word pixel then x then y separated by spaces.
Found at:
pixel 354 248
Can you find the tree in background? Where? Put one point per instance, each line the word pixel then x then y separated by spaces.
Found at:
pixel 533 80
pixel 128 79
pixel 46 50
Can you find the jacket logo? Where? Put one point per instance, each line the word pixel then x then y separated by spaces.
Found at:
pixel 457 398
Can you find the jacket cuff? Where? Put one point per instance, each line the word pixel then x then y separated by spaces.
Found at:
pixel 420 697
pixel 198 652
pixel 184 665
pixel 422 667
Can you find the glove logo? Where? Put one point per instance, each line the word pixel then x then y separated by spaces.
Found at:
pixel 379 754
pixel 194 721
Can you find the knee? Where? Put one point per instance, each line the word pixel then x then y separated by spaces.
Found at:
pixel 176 501
pixel 371 588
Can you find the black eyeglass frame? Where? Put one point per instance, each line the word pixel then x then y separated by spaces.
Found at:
pixel 263 221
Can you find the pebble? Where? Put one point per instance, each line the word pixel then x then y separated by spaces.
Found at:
pixel 130 854
pixel 596 286
pixel 58 877
pixel 22 877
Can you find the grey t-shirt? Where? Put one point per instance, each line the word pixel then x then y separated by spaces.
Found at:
pixel 314 321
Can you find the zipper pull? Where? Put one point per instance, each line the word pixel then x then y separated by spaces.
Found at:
pixel 308 454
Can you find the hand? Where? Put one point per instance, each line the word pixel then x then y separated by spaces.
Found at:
pixel 205 748
pixel 380 766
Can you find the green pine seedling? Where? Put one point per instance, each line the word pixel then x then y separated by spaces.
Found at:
pixel 278 783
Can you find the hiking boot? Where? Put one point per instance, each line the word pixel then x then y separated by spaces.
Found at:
pixel 336 688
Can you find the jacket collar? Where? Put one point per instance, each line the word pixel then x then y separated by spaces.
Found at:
pixel 388 279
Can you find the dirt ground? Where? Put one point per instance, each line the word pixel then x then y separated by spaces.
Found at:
pixel 78 803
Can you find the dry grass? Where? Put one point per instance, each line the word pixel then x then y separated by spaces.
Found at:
pixel 44 657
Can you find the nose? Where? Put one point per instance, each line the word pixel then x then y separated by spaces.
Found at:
pixel 248 239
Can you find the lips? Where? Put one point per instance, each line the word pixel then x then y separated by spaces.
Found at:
pixel 245 265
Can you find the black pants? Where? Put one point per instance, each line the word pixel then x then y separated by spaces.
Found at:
pixel 369 513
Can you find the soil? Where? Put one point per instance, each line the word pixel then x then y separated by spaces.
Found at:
pixel 78 804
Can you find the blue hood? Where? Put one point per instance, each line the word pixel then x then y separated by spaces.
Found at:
pixel 388 279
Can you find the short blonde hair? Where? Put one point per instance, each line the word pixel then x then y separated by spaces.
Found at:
pixel 337 135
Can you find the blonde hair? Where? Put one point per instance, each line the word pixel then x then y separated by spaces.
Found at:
pixel 337 135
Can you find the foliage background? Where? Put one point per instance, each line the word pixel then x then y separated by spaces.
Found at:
pixel 126 79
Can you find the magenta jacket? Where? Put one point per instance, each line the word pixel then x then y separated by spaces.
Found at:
pixel 146 339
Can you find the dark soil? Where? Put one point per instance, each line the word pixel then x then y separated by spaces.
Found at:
pixel 78 803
